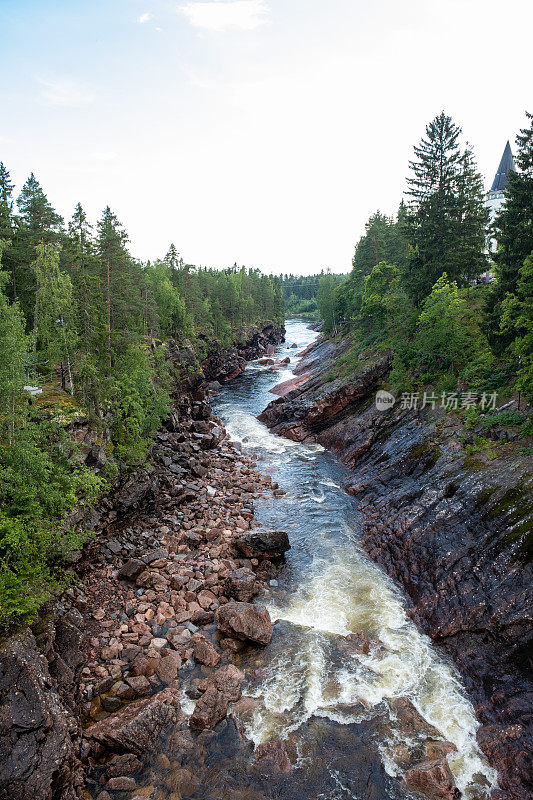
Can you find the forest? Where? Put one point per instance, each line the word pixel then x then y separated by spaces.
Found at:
pixel 446 289
pixel 85 331
pixel 300 293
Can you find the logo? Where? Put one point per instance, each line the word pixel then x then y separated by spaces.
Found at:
pixel 384 400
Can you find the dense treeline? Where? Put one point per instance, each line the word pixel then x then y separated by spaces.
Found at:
pixel 419 282
pixel 89 325
pixel 300 293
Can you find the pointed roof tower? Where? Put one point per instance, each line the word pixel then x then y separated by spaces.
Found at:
pixel 507 163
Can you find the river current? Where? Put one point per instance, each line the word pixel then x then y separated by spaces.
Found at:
pixel 335 710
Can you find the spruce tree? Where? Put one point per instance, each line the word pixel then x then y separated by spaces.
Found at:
pixel 514 235
pixel 39 224
pixel 431 221
pixel 514 224
pixel 471 219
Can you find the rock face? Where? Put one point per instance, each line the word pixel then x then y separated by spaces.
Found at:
pixel 224 365
pixel 245 621
pixel 38 732
pixel 139 727
pixel 452 528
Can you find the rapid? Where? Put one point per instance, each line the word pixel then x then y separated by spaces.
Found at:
pixel 334 709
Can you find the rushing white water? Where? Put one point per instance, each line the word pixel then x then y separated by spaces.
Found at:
pixel 333 589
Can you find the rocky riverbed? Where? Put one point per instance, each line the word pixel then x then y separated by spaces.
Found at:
pixel 451 525
pixel 164 599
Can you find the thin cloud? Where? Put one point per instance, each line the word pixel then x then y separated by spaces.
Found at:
pixel 66 93
pixel 239 15
pixel 145 17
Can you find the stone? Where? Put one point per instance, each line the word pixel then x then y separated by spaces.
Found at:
pixel 219 690
pixel 139 684
pixel 440 749
pixel 121 784
pixel 433 779
pixel 245 621
pixel 205 652
pixel 131 569
pixel 263 544
pixel 210 709
pixel 357 643
pixel 270 760
pixel 242 585
pixel 127 764
pixel 139 727
pixel 167 669
pixel 111 704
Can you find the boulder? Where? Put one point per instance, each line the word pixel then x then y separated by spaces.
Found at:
pixel 245 621
pixel 242 585
pixel 433 779
pixel 219 690
pixel 138 728
pixel 263 544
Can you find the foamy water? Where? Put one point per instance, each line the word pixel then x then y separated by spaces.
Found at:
pixel 333 589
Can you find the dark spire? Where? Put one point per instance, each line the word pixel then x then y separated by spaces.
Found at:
pixel 507 163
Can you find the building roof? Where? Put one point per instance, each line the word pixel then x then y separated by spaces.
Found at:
pixel 500 179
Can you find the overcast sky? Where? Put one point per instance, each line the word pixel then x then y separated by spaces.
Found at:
pixel 258 131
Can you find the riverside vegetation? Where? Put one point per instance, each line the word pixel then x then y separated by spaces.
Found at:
pixel 92 327
pixel 419 287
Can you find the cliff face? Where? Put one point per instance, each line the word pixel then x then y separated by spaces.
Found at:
pixel 453 529
pixel 41 667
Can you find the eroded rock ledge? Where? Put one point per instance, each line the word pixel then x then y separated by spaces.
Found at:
pixel 453 529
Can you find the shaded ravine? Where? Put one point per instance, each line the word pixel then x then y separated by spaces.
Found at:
pixel 325 702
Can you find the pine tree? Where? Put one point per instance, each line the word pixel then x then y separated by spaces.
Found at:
pixel 431 221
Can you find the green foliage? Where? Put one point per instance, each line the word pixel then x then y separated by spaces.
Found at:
pixel 138 406
pixel 507 418
pixel 14 345
pixel 326 300
pixel 78 313
pixel 446 221
pixel 517 319
pixel 443 340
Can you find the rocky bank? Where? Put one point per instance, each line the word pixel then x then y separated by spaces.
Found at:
pixel 450 522
pixel 165 593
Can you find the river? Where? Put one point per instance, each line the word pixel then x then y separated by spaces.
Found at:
pixel 333 709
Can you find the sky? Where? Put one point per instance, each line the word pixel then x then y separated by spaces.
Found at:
pixel 262 132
